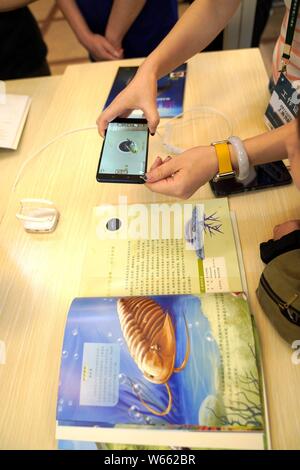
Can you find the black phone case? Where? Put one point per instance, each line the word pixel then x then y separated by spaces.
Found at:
pixel 117 178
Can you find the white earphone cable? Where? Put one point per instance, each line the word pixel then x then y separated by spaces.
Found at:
pixel 44 147
pixel 40 150
pixel 201 110
pixel 167 126
pixel 171 148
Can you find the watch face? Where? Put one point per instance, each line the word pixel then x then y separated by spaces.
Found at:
pixel 224 176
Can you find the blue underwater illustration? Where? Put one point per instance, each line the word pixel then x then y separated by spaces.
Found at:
pixel 109 374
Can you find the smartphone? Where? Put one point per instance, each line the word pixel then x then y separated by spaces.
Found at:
pixel 124 153
pixel 261 177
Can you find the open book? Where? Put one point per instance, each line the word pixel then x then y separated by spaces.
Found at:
pixel 183 369
pixel 174 248
pixel 177 370
pixel 13 113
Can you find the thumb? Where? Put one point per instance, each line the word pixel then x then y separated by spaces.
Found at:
pixel 163 171
pixel 114 110
pixel 152 116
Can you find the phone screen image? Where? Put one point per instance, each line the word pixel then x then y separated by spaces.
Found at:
pixel 124 152
pixel 262 176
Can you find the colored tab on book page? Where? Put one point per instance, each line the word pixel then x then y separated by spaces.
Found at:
pixel 214 272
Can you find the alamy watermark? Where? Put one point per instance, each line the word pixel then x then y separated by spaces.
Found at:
pixel 157 221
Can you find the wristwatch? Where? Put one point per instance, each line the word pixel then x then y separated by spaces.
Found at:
pixel 223 155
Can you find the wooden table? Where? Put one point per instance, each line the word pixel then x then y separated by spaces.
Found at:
pixel 40 274
pixel 41 91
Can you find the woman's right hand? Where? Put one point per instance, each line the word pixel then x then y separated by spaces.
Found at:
pixel 139 94
pixel 182 175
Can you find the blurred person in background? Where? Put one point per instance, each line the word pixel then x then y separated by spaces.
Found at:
pixel 22 49
pixel 117 29
pixel 195 30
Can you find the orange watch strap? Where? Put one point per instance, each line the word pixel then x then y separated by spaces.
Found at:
pixel 223 155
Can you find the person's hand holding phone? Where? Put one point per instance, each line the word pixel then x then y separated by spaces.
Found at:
pixel 139 94
pixel 182 175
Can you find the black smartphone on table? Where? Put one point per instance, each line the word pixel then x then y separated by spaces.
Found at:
pixel 262 176
pixel 124 153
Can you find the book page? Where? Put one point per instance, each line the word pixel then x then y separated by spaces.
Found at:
pixel 13 113
pixel 239 383
pixel 179 248
pixel 184 363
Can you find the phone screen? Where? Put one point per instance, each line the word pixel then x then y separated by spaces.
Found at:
pixel 261 177
pixel 124 152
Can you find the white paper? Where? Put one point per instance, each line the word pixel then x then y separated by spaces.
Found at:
pixel 13 113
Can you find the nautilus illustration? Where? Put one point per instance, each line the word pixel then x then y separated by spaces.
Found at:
pixel 150 336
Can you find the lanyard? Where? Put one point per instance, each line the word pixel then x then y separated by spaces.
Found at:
pixel 289 34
